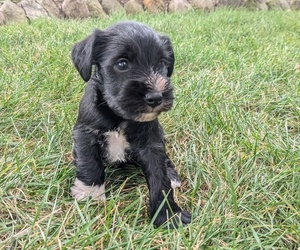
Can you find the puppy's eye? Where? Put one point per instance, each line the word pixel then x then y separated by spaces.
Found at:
pixel 162 67
pixel 161 64
pixel 122 64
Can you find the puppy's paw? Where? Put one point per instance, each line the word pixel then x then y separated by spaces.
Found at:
pixel 182 218
pixel 175 183
pixel 186 217
pixel 80 191
pixel 174 220
pixel 174 178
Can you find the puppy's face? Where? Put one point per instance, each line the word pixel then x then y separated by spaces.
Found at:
pixel 133 66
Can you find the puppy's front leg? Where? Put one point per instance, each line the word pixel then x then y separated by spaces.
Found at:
pixel 153 162
pixel 171 173
pixel 90 170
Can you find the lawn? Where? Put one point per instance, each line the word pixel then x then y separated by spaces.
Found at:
pixel 234 135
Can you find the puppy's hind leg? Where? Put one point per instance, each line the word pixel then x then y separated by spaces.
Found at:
pixel 89 168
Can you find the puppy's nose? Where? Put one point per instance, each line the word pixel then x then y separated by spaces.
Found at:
pixel 153 99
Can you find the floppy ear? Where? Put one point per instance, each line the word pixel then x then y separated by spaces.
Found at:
pixel 170 53
pixel 83 54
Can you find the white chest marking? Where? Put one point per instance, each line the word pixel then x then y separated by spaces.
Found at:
pixel 116 146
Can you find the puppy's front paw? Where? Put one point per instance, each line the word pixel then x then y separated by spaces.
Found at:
pixel 80 191
pixel 168 220
pixel 186 217
pixel 172 175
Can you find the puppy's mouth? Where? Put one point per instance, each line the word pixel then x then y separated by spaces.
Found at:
pixel 146 117
pixel 151 113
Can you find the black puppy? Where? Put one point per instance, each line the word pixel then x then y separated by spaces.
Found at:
pixel 117 120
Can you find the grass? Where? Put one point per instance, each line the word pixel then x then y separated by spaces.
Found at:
pixel 233 135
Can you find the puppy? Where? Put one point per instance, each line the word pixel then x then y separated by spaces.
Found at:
pixel 127 68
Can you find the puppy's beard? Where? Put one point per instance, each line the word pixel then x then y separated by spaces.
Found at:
pixel 146 117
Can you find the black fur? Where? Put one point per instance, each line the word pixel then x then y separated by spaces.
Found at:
pixel 129 88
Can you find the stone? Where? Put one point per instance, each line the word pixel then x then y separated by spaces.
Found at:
pixel 230 3
pixel 33 10
pixel 154 6
pixel 112 6
pixel 133 6
pixel 277 4
pixel 58 3
pixel 95 9
pixel 179 5
pixel 75 8
pixel 295 4
pixel 12 12
pixel 284 5
pixel 2 19
pixel 51 8
pixel 203 4
pixel 255 4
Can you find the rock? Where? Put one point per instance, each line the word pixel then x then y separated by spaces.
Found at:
pixel 203 4
pixel 261 5
pixel 58 3
pixel 230 3
pixel 133 6
pixel 33 10
pixel 179 5
pixel 276 4
pixel 12 12
pixel 112 6
pixel 51 8
pixel 75 8
pixel 95 9
pixel 295 4
pixel 2 19
pixel 284 5
pixel 255 4
pixel 154 6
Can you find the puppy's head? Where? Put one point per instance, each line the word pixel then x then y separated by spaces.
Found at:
pixel 133 66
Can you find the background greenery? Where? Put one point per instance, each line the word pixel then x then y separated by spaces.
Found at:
pixel 233 135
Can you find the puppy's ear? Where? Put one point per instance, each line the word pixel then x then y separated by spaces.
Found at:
pixel 83 54
pixel 170 53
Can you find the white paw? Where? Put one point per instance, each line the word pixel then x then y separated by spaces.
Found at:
pixel 175 183
pixel 80 191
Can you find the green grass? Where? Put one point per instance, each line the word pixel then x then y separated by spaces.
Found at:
pixel 233 135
